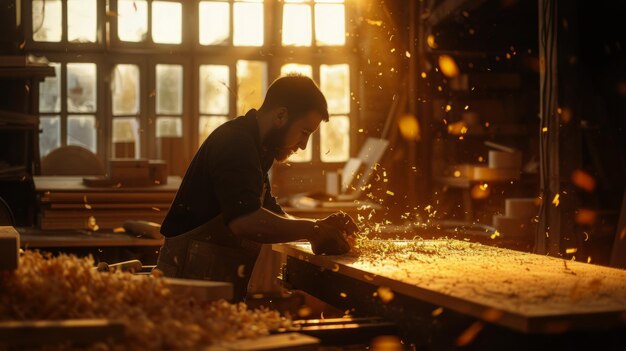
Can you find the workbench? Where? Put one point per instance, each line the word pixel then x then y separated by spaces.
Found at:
pixel 102 245
pixel 439 290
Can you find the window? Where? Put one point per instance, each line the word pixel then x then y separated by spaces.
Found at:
pixel 81 16
pixel 165 18
pixel 229 49
pixel 68 107
pixel 125 91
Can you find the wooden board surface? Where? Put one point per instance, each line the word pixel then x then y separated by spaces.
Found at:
pixel 33 238
pixel 519 290
pixel 282 342
pixel 75 184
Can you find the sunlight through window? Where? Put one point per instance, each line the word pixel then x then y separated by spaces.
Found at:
pixel 214 89
pixel 82 21
pixel 132 20
pixel 297 25
pixel 208 125
pixel 47 20
pixel 166 22
pixel 335 139
pixel 214 22
pixel 125 89
pixel 330 26
pixel 335 84
pixel 305 70
pixel 251 83
pixel 248 26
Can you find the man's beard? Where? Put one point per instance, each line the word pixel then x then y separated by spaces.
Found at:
pixel 274 143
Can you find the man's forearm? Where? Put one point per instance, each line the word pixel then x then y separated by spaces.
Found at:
pixel 267 227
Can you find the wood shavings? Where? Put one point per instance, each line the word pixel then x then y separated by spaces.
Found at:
pixel 67 287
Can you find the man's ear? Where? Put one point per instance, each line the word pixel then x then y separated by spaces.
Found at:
pixel 281 116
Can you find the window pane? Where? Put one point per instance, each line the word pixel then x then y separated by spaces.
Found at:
pixel 50 91
pixel 132 20
pixel 214 85
pixel 330 24
pixel 81 131
pixel 81 87
pixel 171 127
pixel 47 20
pixel 50 137
pixel 207 125
pixel 297 25
pixel 335 84
pixel 303 155
pixel 125 89
pixel 214 22
pixel 305 70
pixel 166 22
pixel 251 83
pixel 169 89
pixel 248 26
pixel 335 139
pixel 82 21
pixel 125 137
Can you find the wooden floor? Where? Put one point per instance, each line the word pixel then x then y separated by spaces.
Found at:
pixel 522 291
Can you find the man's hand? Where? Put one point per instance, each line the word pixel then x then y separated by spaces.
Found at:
pixel 332 234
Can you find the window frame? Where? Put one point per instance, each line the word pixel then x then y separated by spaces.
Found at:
pixel 63 45
pixel 191 54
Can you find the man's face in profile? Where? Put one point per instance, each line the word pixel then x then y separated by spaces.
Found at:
pixel 283 141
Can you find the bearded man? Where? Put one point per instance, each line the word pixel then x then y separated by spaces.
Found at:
pixel 224 209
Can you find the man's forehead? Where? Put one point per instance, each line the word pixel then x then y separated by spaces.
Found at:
pixel 312 121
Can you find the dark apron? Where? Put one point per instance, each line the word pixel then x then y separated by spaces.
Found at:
pixel 210 252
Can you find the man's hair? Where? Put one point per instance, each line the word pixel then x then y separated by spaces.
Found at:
pixel 299 94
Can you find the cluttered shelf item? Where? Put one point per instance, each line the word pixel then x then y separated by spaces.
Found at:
pixel 480 281
pixel 68 203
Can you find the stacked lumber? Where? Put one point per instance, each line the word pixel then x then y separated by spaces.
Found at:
pixel 75 206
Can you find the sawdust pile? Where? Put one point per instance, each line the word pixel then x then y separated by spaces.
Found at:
pixel 67 287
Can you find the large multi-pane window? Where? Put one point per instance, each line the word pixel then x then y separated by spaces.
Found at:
pixel 133 73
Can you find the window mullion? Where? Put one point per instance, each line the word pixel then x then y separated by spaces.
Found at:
pixel 63 93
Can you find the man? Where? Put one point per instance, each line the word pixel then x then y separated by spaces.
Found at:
pixel 224 208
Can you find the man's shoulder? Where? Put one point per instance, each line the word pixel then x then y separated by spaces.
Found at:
pixel 232 128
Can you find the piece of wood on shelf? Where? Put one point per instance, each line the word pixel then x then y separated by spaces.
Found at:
pixel 282 342
pixel 202 290
pixel 9 248
pixel 75 331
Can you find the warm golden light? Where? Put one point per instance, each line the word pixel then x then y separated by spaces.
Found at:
pixel 335 139
pixel 132 20
pixel 251 83
pixel 214 22
pixel 166 22
pixel 297 29
pixel 430 40
pixel 248 26
pixel 583 180
pixel 409 127
pixel 290 68
pixel 330 26
pixel 448 66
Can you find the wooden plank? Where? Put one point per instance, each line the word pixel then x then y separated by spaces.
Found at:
pixel 75 184
pixel 282 342
pixel 75 331
pixel 9 248
pixel 527 292
pixel 71 238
